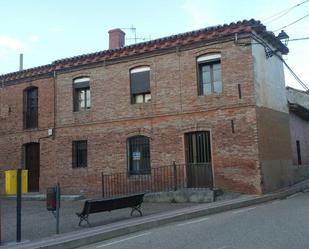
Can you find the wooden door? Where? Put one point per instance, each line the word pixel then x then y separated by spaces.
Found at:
pixel 198 159
pixel 32 163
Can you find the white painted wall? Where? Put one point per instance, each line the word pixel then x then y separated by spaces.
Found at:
pixel 269 80
pixel 298 97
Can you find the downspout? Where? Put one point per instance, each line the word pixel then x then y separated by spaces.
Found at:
pixel 2 87
pixel 178 54
pixel 55 102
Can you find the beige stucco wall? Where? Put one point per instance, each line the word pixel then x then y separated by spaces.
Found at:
pixel 269 80
pixel 297 97
pixel 275 154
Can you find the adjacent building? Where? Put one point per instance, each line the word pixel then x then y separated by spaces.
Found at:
pixel 298 102
pixel 213 97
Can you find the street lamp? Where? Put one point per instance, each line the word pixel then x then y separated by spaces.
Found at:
pixel 283 37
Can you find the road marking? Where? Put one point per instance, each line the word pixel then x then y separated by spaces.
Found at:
pixel 191 222
pixel 244 210
pixel 121 240
pixel 226 247
pixel 275 202
pixel 292 196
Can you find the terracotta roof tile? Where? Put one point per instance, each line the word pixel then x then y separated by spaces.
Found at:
pixel 209 33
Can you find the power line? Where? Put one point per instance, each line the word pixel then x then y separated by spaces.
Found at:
pixel 299 39
pixel 292 23
pixel 294 74
pixel 284 62
pixel 282 13
pixel 290 40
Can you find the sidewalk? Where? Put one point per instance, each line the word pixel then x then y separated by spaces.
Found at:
pixel 38 223
pixel 91 235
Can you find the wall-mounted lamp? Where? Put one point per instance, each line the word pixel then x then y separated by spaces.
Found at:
pixel 283 37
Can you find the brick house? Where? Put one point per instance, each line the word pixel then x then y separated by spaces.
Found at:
pixel 214 96
pixel 298 102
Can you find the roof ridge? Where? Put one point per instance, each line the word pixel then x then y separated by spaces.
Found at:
pixel 210 32
pixel 165 38
pixel 295 89
pixel 28 70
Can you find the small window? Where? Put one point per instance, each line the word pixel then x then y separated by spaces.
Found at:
pixel 209 74
pixel 81 94
pixel 298 152
pixel 139 155
pixel 79 154
pixel 140 85
pixel 31 108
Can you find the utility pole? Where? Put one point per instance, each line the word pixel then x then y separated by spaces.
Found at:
pixel 21 62
pixel 0 212
pixel 18 205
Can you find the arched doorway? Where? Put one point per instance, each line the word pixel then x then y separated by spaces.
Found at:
pixel 32 164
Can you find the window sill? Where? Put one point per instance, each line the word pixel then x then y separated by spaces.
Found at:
pixel 80 168
pixel 31 129
pixel 141 108
pixel 82 111
pixel 139 104
pixel 136 175
pixel 215 95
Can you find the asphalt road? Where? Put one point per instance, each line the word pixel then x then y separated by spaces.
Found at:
pixel 281 224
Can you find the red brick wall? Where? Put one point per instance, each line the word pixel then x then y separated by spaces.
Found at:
pixel 175 109
pixel 234 154
pixel 12 96
pixel 12 134
pixel 173 85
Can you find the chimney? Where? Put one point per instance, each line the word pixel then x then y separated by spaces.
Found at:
pixel 116 38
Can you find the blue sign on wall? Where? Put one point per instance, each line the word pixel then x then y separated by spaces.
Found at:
pixel 136 155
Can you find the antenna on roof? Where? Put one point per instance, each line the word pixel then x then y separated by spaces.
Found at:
pixel 135 38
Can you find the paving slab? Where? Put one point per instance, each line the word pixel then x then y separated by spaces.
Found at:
pixel 91 235
pixel 42 197
pixel 39 223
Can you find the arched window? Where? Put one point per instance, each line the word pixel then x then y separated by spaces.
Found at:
pixel 140 85
pixel 81 94
pixel 209 74
pixel 138 155
pixel 31 107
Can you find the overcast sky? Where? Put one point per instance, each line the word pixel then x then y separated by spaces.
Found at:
pixel 47 30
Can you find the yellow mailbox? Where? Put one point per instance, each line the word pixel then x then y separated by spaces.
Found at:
pixel 11 182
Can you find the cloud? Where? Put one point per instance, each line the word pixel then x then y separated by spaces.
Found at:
pixel 11 43
pixel 34 38
pixel 199 13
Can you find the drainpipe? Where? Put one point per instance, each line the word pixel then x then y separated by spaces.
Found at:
pixel 178 53
pixel 55 102
pixel 1 90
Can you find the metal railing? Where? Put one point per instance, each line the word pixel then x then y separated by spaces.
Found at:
pixel 157 179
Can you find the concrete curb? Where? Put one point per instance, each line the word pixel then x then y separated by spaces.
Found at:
pixel 97 234
pixel 42 197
